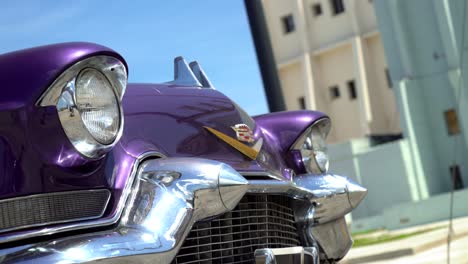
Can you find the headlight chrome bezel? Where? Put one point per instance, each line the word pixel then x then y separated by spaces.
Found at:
pixel 309 159
pixel 62 95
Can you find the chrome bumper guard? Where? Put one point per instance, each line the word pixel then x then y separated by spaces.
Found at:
pixel 291 255
pixel 170 194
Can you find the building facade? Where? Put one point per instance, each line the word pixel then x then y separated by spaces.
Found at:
pixel 330 57
pixel 410 180
pixel 424 42
pixel 371 65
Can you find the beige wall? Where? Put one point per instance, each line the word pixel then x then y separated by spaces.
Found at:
pixel 285 46
pixel 320 31
pixel 341 48
pixel 326 28
pixel 291 83
pixel 336 68
pixel 365 16
pixel 387 120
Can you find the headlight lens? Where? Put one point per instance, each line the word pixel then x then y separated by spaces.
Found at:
pixel 88 100
pixel 98 105
pixel 313 147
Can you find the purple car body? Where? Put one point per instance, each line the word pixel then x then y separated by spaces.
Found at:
pixel 165 121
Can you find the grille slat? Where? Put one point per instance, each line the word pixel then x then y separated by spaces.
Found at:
pixel 292 227
pixel 259 217
pixel 258 221
pixel 270 245
pixel 246 256
pixel 52 208
pixel 256 211
pixel 264 230
pixel 241 240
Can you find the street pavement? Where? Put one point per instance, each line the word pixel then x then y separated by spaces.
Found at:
pixel 428 247
pixel 458 255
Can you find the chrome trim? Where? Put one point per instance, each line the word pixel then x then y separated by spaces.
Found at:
pixel 258 220
pixel 333 237
pixel 265 256
pixel 61 94
pixel 56 194
pixel 322 221
pixel 183 75
pixel 262 174
pixel 298 143
pixel 171 194
pixel 5 238
pixel 268 255
pixel 157 218
pixel 333 195
pixel 111 67
pixel 200 74
pixel 300 140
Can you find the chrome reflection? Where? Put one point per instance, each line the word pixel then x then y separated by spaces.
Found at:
pixel 9 237
pixel 299 255
pixel 170 194
pixel 200 74
pixel 62 94
pixel 332 196
pixel 321 220
pixel 183 74
pixel 265 256
pixel 157 218
pixel 333 237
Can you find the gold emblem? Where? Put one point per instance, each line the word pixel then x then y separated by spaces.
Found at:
pixel 251 152
pixel 243 133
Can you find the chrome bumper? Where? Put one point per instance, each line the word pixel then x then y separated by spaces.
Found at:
pixel 169 195
pixel 299 255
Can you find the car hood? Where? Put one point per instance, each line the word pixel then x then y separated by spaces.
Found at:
pixel 171 120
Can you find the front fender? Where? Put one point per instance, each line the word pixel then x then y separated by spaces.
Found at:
pixel 286 127
pixel 25 74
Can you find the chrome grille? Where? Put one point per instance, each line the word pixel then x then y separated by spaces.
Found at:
pixel 52 208
pixel 258 221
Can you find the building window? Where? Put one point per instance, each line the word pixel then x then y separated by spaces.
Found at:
pixel 302 103
pixel 334 92
pixel 288 24
pixel 389 78
pixel 317 9
pixel 451 121
pixel 456 179
pixel 337 7
pixel 352 90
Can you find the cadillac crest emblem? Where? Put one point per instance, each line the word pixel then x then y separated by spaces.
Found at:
pixel 243 133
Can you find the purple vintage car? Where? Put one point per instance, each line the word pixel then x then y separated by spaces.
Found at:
pixel 93 169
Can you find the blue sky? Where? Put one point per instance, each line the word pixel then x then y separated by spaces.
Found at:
pixel 149 34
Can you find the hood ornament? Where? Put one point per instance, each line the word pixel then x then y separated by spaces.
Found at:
pixel 243 133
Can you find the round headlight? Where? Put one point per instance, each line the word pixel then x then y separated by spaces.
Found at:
pixel 88 100
pixel 314 151
pixel 97 105
pixel 313 148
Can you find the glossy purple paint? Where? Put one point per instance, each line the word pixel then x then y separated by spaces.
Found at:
pixel 26 73
pixel 170 120
pixel 35 152
pixel 36 156
pixel 286 126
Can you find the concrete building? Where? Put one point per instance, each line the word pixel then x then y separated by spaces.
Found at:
pixel 409 180
pixel 330 57
pixel 406 62
pixel 423 42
